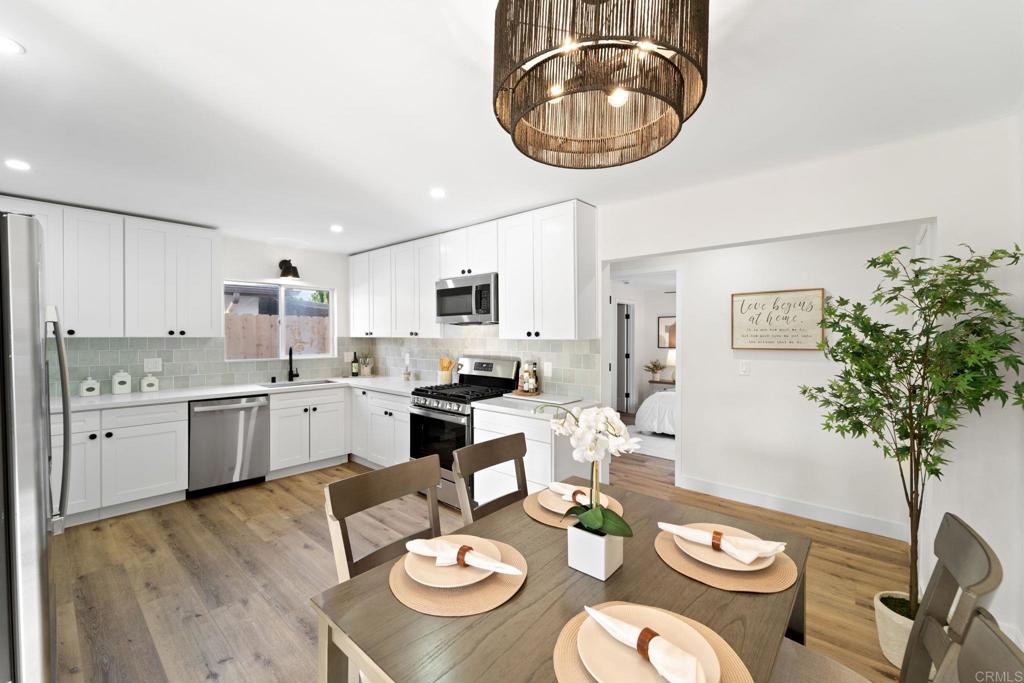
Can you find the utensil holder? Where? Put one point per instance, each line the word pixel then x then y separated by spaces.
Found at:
pixel 444 376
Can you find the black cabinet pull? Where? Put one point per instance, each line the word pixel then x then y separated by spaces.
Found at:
pixel 314 409
pixel 469 271
pixel 305 410
pixel 364 393
pixel 170 332
pixel 71 333
pixel 463 271
pixel 529 334
pixel 109 434
pixel 536 334
pixel 181 332
pixel 93 437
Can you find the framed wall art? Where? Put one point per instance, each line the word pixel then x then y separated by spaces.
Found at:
pixel 666 332
pixel 782 320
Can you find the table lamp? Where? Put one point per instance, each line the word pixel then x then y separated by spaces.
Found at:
pixel 671 362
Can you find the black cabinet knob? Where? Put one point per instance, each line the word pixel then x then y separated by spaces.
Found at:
pixel 181 332
pixel 71 333
pixel 93 437
pixel 469 271
pixel 364 393
pixel 314 409
pixel 536 334
pixel 463 271
pixel 529 334
pixel 305 410
pixel 109 434
pixel 171 332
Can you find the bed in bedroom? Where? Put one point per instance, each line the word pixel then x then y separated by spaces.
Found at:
pixel 658 414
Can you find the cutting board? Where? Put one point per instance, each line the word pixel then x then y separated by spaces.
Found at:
pixel 553 399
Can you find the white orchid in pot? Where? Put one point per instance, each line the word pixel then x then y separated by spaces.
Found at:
pixel 595 542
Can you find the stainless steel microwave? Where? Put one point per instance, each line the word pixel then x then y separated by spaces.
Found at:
pixel 469 300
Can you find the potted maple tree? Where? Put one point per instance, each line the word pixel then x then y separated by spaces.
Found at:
pixel 939 343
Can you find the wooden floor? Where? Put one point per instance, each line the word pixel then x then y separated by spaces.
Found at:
pixel 218 588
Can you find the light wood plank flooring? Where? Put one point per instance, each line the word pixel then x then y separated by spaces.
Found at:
pixel 218 588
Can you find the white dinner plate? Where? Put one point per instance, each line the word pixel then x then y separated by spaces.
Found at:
pixel 423 569
pixel 610 661
pixel 717 558
pixel 550 500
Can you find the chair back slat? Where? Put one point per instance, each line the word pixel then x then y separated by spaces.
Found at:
pixel 347 497
pixel 987 654
pixel 965 565
pixel 480 456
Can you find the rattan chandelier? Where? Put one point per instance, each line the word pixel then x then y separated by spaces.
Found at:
pixel 598 83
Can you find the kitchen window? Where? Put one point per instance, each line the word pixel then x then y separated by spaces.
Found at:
pixel 262 321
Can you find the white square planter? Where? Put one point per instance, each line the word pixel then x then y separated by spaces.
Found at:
pixel 593 554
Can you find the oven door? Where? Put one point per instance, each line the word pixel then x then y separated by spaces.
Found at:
pixel 438 432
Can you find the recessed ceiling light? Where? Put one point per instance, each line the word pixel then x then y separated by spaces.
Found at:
pixel 337 228
pixel 17 165
pixel 437 192
pixel 10 47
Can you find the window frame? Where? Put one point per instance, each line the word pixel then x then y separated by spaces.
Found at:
pixel 282 348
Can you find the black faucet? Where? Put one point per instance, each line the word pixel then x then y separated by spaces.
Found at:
pixel 292 372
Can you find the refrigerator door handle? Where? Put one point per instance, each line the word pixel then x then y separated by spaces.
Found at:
pixel 57 522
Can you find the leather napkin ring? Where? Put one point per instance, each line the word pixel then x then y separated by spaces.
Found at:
pixel 461 557
pixel 643 641
pixel 716 540
pixel 575 493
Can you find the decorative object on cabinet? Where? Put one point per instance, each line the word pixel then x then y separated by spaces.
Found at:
pixel 288 270
pixel 655 367
pixel 595 542
pixel 366 366
pixel 122 383
pixel 89 387
pixel 149 383
pixel 666 331
pixel 942 342
pixel 444 372
pixel 604 83
pixel 782 320
pixel 529 381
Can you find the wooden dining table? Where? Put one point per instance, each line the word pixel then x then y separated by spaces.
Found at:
pixel 391 643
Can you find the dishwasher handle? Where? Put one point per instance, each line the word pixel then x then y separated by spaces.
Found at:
pixel 258 403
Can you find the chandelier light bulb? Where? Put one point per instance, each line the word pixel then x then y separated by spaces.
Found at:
pixel 646 45
pixel 618 97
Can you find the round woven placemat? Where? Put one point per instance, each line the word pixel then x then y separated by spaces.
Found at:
pixel 569 667
pixel 540 513
pixel 477 598
pixel 777 577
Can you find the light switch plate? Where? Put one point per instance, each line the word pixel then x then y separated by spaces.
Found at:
pixel 153 364
pixel 547 369
pixel 744 368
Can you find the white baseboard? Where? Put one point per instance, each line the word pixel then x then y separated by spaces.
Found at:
pixel 821 513
pixel 307 467
pixel 123 509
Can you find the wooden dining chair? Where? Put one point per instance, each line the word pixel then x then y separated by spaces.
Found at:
pixel 966 564
pixel 986 654
pixel 480 456
pixel 347 497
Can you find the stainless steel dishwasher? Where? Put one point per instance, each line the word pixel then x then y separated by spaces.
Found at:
pixel 228 441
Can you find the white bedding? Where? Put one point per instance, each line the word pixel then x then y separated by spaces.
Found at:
pixel 658 413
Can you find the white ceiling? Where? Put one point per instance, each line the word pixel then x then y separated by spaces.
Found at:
pixel 272 120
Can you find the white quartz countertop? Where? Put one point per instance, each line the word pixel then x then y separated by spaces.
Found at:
pixel 524 408
pixel 387 385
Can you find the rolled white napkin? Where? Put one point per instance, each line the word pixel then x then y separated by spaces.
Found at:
pixel 447 555
pixel 671 663
pixel 566 491
pixel 746 550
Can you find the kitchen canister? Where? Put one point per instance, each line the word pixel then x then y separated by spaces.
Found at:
pixel 122 382
pixel 149 383
pixel 89 387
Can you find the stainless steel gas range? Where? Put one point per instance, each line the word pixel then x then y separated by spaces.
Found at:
pixel 441 416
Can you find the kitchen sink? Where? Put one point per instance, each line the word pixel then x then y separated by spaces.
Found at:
pixel 307 383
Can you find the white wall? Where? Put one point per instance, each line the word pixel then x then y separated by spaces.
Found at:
pixel 970 180
pixel 254 261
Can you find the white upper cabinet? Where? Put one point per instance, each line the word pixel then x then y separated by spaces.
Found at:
pixel 548 275
pixel 406 302
pixel 359 294
pixel 93 273
pixel 380 293
pixel 468 251
pixel 172 277
pixel 428 272
pixel 482 248
pixel 51 217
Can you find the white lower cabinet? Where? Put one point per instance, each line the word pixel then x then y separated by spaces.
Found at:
pixel 84 471
pixel 144 461
pixel 384 420
pixel 382 438
pixel 307 427
pixel 360 421
pixel 289 437
pixel 497 481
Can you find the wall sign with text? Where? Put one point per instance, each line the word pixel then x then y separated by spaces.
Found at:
pixel 785 320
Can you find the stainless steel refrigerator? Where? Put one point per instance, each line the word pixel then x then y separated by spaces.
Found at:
pixel 27 615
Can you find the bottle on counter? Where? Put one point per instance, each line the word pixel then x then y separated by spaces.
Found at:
pixel 355 364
